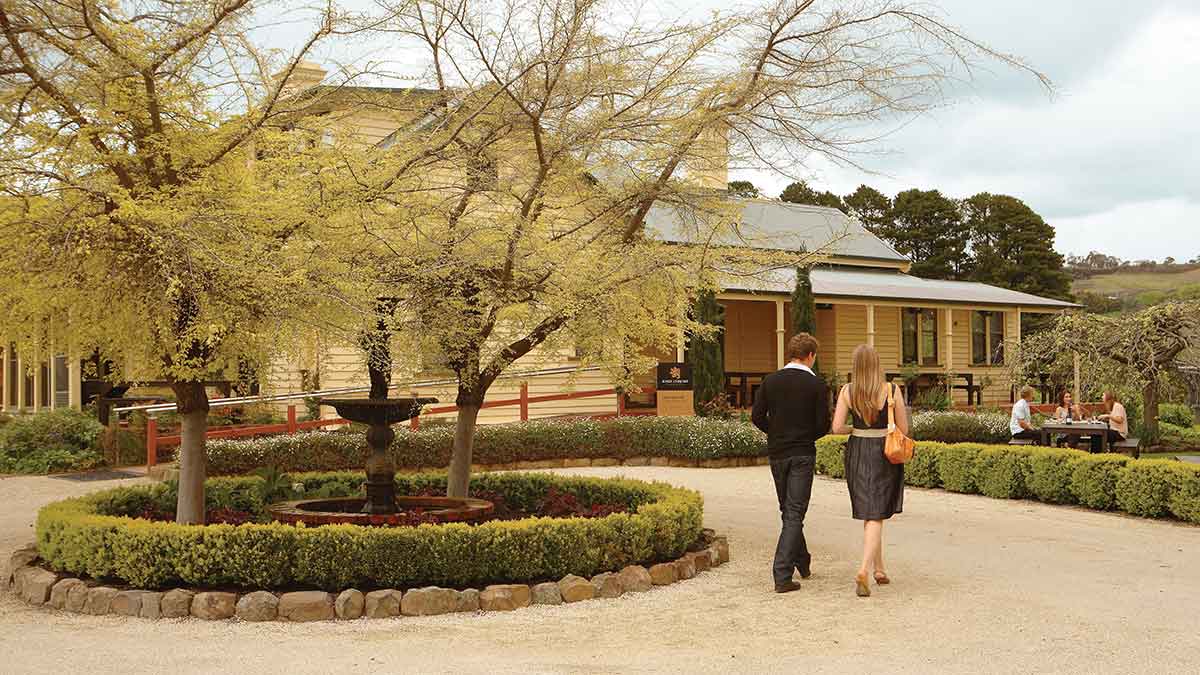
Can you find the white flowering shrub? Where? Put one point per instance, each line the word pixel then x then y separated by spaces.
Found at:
pixel 683 437
pixel 954 426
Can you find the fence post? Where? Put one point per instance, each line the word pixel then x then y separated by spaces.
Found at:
pixel 620 403
pixel 524 401
pixel 291 418
pixel 151 443
pixel 414 423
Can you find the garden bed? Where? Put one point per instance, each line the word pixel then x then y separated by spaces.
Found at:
pixel 691 440
pixel 37 584
pixel 99 535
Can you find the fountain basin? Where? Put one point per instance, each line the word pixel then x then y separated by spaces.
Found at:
pixel 378 411
pixel 379 414
pixel 349 510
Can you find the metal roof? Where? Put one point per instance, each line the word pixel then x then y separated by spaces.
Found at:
pixel 769 224
pixel 839 282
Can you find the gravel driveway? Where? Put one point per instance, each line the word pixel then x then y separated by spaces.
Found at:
pixel 979 585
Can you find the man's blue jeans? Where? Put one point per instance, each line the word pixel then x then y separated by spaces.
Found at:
pixel 793 485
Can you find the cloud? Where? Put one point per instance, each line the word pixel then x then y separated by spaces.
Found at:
pixel 1117 147
pixel 1135 231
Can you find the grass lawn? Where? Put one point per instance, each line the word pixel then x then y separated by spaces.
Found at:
pixel 1169 455
pixel 1127 283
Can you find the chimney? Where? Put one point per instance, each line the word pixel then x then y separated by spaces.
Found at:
pixel 708 168
pixel 305 75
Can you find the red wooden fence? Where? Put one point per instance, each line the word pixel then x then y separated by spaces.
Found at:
pixel 524 400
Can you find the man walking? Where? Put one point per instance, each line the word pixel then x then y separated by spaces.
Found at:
pixel 792 408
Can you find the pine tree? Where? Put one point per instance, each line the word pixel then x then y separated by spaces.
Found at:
pixel 870 206
pixel 800 193
pixel 804 311
pixel 1013 247
pixel 704 351
pixel 928 227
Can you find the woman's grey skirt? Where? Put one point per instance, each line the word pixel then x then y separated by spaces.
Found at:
pixel 876 485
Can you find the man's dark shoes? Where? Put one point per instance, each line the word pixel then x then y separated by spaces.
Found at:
pixel 805 573
pixel 787 586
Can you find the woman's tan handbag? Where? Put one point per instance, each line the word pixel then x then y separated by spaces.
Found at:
pixel 898 448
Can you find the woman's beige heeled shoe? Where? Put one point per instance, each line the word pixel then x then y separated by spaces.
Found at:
pixel 882 579
pixel 861 589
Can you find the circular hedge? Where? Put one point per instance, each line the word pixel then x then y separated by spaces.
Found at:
pixel 97 535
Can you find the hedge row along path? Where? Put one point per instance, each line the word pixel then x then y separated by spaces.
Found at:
pixel 979 585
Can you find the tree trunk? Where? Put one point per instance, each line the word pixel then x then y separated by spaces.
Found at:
pixel 1150 411
pixel 464 443
pixel 192 402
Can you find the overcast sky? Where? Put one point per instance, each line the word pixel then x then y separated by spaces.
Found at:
pixel 1111 161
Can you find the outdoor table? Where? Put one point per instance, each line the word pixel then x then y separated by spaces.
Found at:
pixel 1051 427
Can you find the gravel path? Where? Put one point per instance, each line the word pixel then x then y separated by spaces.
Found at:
pixel 979 585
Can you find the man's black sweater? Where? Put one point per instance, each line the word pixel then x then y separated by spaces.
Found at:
pixel 792 408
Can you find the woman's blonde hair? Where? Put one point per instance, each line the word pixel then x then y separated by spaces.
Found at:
pixel 866 383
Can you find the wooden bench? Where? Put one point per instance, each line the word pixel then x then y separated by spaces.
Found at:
pixel 1131 444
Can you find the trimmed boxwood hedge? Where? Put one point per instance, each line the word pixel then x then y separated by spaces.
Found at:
pixel 431 446
pixel 94 535
pixel 1142 487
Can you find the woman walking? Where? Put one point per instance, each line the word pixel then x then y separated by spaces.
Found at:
pixel 876 485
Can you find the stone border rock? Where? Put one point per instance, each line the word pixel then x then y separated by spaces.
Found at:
pixel 42 587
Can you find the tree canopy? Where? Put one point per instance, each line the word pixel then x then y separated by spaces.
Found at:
pixel 177 202
pixel 927 227
pixel 991 238
pixel 526 210
pixel 1011 246
pixel 800 193
pixel 743 189
pixel 870 206
pixel 1129 353
pixel 135 221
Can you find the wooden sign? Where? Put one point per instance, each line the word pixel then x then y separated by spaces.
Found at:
pixel 673 386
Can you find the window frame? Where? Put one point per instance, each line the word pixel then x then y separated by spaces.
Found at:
pixel 922 318
pixel 993 354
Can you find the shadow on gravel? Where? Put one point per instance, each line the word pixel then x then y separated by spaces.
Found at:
pixel 92 476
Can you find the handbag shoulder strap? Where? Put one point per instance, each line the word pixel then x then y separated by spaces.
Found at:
pixel 891 406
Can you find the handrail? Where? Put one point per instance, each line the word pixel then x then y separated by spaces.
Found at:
pixel 239 400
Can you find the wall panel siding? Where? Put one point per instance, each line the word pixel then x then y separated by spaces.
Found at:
pixel 345 367
pixel 851 332
pixel 887 337
pixel 827 335
pixel 749 336
pixel 962 339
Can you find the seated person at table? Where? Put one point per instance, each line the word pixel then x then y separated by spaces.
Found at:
pixel 1021 422
pixel 1118 422
pixel 1067 410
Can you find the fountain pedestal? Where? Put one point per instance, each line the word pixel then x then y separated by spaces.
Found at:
pixel 379 414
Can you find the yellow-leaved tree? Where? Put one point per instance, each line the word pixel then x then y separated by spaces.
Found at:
pixel 153 192
pixel 564 179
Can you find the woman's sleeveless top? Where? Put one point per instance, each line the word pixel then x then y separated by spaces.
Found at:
pixel 880 418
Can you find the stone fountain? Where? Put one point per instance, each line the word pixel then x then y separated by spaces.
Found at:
pixel 379 415
pixel 381 506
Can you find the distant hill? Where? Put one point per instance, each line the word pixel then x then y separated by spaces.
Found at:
pixel 1134 289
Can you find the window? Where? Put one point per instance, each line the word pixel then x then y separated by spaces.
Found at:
pixel 919 336
pixel 987 338
pixel 62 382
pixel 908 328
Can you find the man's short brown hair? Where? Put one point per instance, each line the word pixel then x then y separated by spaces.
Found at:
pixel 800 346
